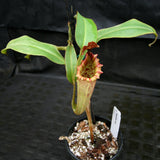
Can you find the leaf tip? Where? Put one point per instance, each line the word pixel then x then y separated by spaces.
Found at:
pixel 156 37
pixel 4 51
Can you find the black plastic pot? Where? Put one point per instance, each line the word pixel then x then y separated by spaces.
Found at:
pixel 108 123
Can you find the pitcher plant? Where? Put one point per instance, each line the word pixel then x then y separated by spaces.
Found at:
pixel 81 72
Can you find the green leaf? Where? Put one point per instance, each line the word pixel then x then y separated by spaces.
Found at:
pixel 30 46
pixel 129 29
pixel 70 63
pixel 86 31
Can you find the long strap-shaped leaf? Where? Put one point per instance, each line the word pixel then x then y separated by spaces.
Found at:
pixel 30 46
pixel 129 29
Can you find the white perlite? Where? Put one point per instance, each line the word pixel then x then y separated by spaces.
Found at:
pixel 104 147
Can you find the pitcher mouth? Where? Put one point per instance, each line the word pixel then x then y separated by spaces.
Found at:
pixel 90 68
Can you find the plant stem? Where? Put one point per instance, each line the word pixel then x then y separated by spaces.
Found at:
pixel 79 58
pixel 88 113
pixel 69 33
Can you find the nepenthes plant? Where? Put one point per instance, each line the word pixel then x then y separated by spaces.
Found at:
pixel 84 68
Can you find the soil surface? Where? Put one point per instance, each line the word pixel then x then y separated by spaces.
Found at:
pixel 105 146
